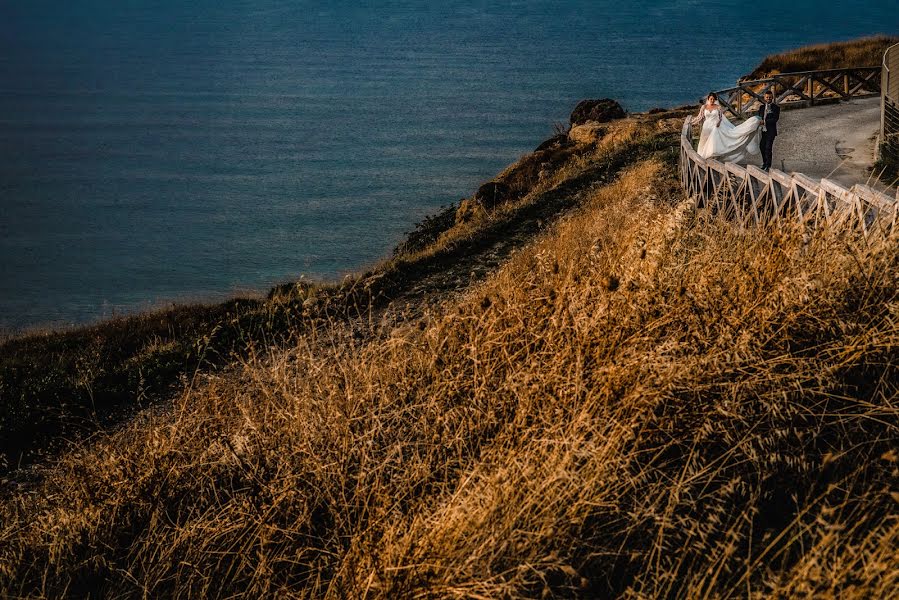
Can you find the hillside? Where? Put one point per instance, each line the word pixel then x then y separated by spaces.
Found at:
pixel 867 51
pixel 572 385
pixel 58 386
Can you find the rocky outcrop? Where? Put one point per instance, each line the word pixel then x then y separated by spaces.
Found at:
pixel 553 143
pixel 492 194
pixel 588 133
pixel 469 210
pixel 487 198
pixel 599 111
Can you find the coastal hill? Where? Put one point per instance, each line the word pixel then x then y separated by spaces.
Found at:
pixel 568 385
pixel 863 52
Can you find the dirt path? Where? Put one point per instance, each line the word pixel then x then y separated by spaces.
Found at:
pixel 835 141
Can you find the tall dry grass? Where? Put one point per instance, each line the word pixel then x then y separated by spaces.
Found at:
pixel 641 404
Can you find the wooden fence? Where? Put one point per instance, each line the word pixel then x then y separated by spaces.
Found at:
pixel 805 88
pixel 751 196
pixel 889 106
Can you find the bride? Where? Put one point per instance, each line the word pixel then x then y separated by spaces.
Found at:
pixel 722 140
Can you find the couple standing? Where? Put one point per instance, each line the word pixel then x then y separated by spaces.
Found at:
pixel 722 140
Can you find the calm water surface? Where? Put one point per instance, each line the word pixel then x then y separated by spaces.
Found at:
pixel 155 151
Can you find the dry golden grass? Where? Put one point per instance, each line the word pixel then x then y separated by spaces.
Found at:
pixel 863 52
pixel 640 404
pixel 554 183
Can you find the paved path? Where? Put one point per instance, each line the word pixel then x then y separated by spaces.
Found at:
pixel 834 141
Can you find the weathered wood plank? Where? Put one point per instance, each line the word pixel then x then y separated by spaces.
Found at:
pixel 749 194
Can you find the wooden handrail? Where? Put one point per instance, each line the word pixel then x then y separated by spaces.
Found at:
pixel 802 88
pixel 888 146
pixel 751 196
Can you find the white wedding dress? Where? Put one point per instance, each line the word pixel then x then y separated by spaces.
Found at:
pixel 727 142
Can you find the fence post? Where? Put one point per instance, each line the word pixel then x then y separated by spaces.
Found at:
pixel 884 83
pixel 889 97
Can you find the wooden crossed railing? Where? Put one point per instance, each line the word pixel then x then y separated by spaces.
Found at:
pixel 802 89
pixel 749 195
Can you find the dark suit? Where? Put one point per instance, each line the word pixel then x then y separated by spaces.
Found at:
pixel 770 132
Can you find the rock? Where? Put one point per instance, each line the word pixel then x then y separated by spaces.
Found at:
pixel 492 194
pixel 588 133
pixel 488 197
pixel 468 211
pixel 601 111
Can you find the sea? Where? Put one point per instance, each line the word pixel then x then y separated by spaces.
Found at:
pixel 160 151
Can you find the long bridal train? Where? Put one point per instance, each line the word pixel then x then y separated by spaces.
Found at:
pixel 727 142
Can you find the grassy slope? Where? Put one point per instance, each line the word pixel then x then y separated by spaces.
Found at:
pixel 60 386
pixel 864 52
pixel 639 403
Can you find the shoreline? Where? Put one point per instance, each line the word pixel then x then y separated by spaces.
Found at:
pixel 147 308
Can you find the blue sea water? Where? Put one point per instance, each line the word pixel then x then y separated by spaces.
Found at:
pixel 156 150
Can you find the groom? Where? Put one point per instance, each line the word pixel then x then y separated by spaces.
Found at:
pixel 769 113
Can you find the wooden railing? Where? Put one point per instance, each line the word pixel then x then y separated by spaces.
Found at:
pixel 751 196
pixel 889 106
pixel 805 88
